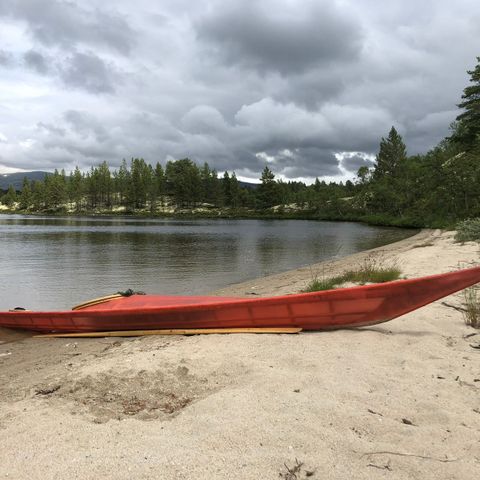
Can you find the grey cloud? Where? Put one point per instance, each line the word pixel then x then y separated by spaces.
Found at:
pixel 90 72
pixel 203 119
pixel 54 22
pixel 51 129
pixel 287 40
pixel 85 124
pixel 86 140
pixel 91 152
pixel 354 162
pixel 236 158
pixel 36 61
pixel 267 125
pixel 6 58
pixel 312 89
pixel 82 70
pixel 426 132
pixel 304 162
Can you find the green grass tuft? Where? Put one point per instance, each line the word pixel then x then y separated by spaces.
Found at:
pixel 318 284
pixel 471 301
pixel 371 270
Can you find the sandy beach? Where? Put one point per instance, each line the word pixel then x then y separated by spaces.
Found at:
pixel 399 400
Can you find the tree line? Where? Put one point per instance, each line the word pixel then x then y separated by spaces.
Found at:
pixel 435 189
pixel 181 184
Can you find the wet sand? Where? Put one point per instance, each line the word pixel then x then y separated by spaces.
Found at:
pixel 399 400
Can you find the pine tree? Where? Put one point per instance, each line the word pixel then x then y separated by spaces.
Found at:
pixel 226 189
pixel 75 188
pixel 467 128
pixel 140 182
pixel 105 185
pixel 392 153
pixel 121 182
pixel 55 189
pixel 92 187
pixel 209 184
pixel 160 182
pixel 183 182
pixel 10 197
pixel 26 195
pixel 38 195
pixel 234 191
pixel 152 189
pixel 268 191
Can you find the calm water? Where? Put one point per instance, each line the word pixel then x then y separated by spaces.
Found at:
pixel 56 262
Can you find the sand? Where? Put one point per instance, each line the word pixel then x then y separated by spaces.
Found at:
pixel 399 400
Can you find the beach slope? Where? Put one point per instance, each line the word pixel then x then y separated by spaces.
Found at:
pixel 400 400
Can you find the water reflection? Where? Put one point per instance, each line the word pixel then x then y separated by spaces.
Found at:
pixel 56 262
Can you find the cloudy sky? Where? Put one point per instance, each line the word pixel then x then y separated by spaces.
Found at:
pixel 306 86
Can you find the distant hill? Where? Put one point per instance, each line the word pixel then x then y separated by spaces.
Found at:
pixel 16 179
pixel 251 186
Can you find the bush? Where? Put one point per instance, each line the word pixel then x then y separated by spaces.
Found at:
pixel 468 230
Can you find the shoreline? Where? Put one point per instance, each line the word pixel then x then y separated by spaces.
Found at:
pixel 397 400
pixel 371 220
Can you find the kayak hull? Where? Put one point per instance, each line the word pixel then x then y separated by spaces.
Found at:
pixel 331 309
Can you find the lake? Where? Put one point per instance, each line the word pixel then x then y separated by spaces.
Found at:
pixel 57 262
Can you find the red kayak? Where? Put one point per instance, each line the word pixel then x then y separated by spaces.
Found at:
pixel 330 309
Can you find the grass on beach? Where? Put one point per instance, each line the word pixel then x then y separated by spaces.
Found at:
pixel 371 270
pixel 471 313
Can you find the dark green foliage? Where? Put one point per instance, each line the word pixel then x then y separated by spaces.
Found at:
pixel 391 155
pixel 268 191
pixel 38 195
pixel 184 182
pixel 231 190
pixel 234 192
pixel 121 180
pixel 98 187
pixel 75 188
pixel 466 131
pixel 140 180
pixel 468 230
pixel 26 197
pixel 386 192
pixel 10 197
pixel 55 190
